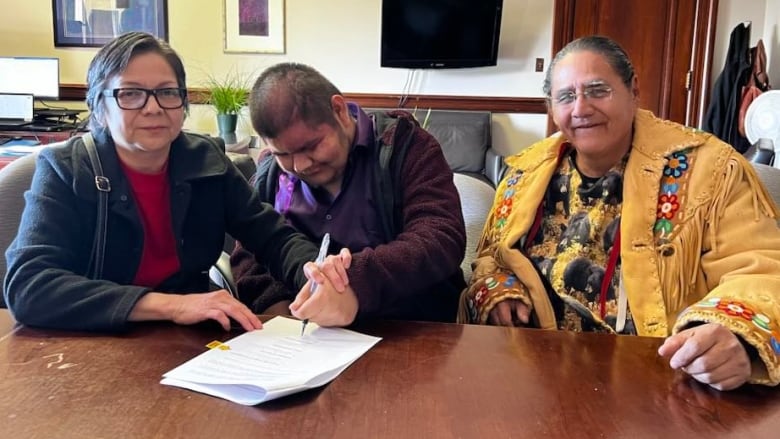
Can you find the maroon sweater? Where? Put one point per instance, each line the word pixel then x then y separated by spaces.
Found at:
pixel 415 276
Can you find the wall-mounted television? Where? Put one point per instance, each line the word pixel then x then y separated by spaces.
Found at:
pixel 37 76
pixel 440 34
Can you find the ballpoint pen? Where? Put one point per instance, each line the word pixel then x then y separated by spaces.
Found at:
pixel 320 259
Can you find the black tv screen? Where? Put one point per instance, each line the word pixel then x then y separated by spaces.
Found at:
pixel 440 34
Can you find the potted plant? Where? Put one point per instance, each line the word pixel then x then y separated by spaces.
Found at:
pixel 228 95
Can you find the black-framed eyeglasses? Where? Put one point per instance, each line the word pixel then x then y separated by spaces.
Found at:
pixel 594 92
pixel 168 98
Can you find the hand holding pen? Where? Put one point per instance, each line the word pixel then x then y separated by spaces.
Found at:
pixel 334 303
pixel 320 259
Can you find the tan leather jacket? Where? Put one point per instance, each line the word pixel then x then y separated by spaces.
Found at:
pixel 719 263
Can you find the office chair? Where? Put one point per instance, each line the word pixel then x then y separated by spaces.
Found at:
pixel 476 199
pixel 762 152
pixel 770 176
pixel 15 179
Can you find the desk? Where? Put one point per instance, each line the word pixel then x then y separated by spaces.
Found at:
pixel 44 137
pixel 422 380
pixel 7 322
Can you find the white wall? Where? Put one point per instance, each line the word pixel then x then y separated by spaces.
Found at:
pixel 341 38
pixel 772 41
pixel 338 37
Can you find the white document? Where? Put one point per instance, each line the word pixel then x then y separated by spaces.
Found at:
pixel 271 362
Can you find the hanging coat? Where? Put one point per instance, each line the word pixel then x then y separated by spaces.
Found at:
pixel 722 118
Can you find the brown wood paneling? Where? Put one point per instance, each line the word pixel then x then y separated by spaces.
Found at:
pixel 609 18
pixel 706 22
pixel 497 104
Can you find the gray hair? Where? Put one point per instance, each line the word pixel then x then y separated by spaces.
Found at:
pixel 615 56
pixel 112 59
pixel 288 92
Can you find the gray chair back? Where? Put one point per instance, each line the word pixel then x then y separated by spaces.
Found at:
pixel 476 199
pixel 770 176
pixel 15 179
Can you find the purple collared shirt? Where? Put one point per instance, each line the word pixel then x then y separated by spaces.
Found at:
pixel 352 217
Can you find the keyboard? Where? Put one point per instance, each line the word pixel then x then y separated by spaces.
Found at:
pixel 37 126
pixel 10 125
pixel 47 112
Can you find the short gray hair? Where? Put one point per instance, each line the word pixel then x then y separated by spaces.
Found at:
pixel 112 59
pixel 615 56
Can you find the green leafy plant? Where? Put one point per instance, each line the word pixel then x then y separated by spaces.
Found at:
pixel 229 94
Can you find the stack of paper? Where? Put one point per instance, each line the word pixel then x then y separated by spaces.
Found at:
pixel 275 361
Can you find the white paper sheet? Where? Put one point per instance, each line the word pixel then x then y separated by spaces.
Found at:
pixel 272 362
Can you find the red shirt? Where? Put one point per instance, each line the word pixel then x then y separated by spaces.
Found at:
pixel 152 194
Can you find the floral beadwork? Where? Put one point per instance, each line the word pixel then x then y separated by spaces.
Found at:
pixel 481 295
pixel 677 165
pixel 504 208
pixel 774 341
pixel 502 279
pixel 511 181
pixel 709 303
pixel 669 198
pixel 669 185
pixel 664 226
pixel 736 309
pixel 762 322
pixel 667 206
pixel 502 212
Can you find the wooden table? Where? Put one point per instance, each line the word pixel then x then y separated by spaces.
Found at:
pixel 421 381
pixel 7 322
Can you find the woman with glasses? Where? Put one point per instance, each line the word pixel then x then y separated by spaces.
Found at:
pixel 172 196
pixel 628 224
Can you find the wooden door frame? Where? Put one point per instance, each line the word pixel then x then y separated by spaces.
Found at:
pixel 701 62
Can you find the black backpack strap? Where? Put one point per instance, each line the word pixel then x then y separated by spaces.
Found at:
pixel 266 179
pixel 103 187
pixel 387 183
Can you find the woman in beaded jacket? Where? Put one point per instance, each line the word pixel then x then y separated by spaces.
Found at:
pixel 626 223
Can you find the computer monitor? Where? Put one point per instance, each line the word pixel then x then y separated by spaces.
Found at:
pixel 37 76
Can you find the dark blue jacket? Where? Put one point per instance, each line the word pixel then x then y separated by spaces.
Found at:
pixel 46 285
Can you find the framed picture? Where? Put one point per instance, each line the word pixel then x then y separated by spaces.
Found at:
pixel 92 23
pixel 254 26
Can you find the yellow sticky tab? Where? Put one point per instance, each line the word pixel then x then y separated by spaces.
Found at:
pixel 218 345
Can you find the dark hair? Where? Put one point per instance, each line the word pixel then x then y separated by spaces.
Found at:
pixel 288 92
pixel 112 59
pixel 615 56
